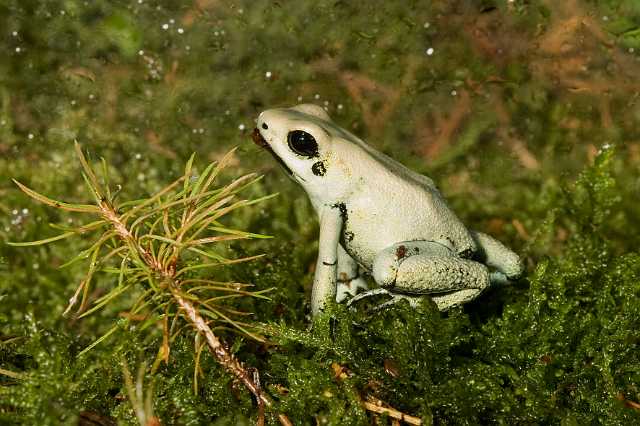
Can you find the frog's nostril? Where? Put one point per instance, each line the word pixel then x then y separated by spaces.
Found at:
pixel 258 139
pixel 264 126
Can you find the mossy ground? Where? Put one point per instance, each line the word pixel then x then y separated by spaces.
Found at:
pixel 512 113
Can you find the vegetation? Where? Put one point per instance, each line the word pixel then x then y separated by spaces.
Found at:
pixel 526 113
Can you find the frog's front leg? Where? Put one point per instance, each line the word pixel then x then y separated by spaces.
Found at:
pixel 429 268
pixel 325 278
pixel 349 278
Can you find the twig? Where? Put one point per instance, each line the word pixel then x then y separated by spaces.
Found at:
pixel 256 380
pixel 11 374
pixel 627 402
pixel 376 406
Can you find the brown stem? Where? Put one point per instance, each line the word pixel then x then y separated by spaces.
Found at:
pixel 375 405
pixel 217 349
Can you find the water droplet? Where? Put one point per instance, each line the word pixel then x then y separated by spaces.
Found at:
pixel 316 96
pixel 30 135
pixel 140 52
pixel 180 30
pixel 241 127
pixel 340 106
pixel 165 26
pixel 430 51
pixel 15 34
pixel 426 25
pixel 267 74
pixel 18 49
pixel 454 93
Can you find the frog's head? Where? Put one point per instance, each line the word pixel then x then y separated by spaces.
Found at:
pixel 299 138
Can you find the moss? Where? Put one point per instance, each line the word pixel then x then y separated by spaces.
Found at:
pixel 511 115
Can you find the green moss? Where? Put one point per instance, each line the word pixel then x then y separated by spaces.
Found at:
pixel 519 160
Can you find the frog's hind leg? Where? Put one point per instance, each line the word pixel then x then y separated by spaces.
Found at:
pixel 416 268
pixel 508 266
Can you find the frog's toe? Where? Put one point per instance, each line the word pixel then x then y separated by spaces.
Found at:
pixel 395 298
pixel 413 301
pixel 446 301
pixel 367 294
pixel 498 279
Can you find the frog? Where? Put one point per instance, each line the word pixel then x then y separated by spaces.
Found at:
pixel 379 218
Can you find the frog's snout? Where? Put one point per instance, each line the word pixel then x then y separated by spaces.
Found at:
pixel 258 139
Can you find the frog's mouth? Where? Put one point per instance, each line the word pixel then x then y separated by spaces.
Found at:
pixel 259 140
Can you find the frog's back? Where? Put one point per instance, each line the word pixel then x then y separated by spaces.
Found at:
pixel 391 204
pixel 392 165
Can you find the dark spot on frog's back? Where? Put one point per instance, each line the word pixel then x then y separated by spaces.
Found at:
pixel 318 168
pixel 401 252
pixel 348 236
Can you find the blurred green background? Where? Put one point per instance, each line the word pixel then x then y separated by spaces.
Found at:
pixel 526 114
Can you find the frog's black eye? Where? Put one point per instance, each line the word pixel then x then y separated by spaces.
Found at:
pixel 302 143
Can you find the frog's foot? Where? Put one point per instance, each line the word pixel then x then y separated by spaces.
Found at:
pixel 443 301
pixel 367 294
pixel 508 265
pixel 350 288
pixel 395 298
pixel 447 301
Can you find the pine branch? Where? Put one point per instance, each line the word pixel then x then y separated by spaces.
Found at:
pixel 150 238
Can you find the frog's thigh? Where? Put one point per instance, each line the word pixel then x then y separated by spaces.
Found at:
pixel 424 267
pixel 349 278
